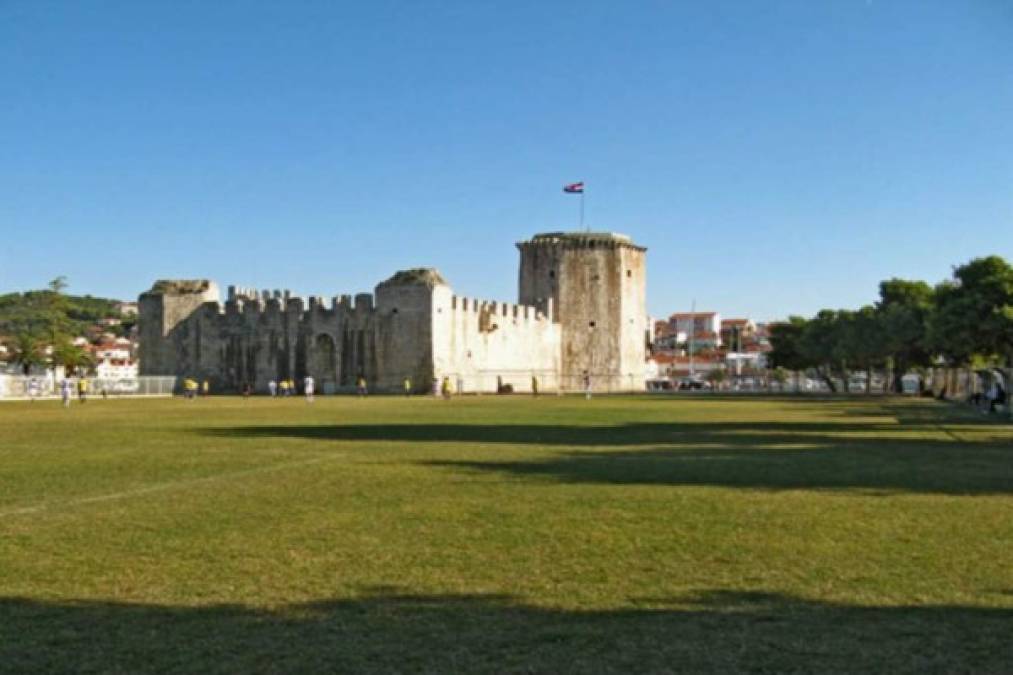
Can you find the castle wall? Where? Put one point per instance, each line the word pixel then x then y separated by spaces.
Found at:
pixel 258 337
pixel 481 344
pixel 597 284
pixel 583 310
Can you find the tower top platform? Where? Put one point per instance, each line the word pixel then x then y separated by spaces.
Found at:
pixel 581 239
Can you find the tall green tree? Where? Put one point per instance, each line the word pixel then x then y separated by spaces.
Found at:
pixel 786 347
pixel 824 346
pixel 862 341
pixel 974 312
pixel 904 309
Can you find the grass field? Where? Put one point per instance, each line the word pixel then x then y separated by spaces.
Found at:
pixel 505 535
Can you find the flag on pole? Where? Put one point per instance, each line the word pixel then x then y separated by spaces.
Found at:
pixel 574 188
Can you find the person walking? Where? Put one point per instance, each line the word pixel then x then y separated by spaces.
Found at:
pixel 995 395
pixel 65 392
pixel 308 386
pixel 272 388
pixel 445 388
pixel 408 386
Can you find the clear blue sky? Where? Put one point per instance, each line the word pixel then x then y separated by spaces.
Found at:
pixel 775 157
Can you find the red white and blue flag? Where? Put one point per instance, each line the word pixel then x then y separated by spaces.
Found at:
pixel 574 188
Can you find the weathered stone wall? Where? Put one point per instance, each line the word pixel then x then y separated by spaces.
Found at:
pixel 163 313
pixel 597 283
pixel 256 338
pixel 482 344
pixel 635 325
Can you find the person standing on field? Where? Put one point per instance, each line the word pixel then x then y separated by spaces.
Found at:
pixel 65 392
pixel 82 389
pixel 361 386
pixel 308 386
pixel 587 385
pixel 272 388
pixel 408 386
pixel 205 388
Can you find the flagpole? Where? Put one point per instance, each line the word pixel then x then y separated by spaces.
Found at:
pixel 582 210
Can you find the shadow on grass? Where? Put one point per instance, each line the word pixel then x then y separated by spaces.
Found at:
pixel 391 632
pixel 767 455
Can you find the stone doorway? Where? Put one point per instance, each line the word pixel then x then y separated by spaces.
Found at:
pixel 323 362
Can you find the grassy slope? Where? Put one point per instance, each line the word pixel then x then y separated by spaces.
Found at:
pixel 512 534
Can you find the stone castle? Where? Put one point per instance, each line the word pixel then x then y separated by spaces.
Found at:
pixel 581 309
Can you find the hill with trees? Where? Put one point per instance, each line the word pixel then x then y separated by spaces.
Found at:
pixel 39 326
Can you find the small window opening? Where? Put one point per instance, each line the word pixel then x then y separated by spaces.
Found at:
pixel 629 273
pixel 394 311
pixel 552 274
pixel 591 324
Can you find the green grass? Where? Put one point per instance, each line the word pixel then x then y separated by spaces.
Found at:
pixel 505 535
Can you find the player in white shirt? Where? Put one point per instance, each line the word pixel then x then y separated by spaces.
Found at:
pixel 308 388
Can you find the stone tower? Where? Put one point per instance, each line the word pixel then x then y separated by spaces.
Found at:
pixel 596 282
pixel 163 314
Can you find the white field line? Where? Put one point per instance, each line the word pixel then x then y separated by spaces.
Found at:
pixel 162 487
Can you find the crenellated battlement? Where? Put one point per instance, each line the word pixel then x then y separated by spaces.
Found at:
pixel 283 305
pixel 494 308
pixel 580 240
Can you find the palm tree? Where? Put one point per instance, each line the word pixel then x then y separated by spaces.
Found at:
pixel 70 356
pixel 27 351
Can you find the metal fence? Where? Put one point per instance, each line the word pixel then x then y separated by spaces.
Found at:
pixel 46 386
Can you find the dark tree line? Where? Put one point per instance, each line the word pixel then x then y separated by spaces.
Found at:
pixel 962 321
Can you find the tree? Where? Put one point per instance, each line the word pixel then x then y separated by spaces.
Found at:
pixel 974 312
pixel 786 346
pixel 863 342
pixel 27 351
pixel 56 309
pixel 71 357
pixel 716 376
pixel 823 346
pixel 904 310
